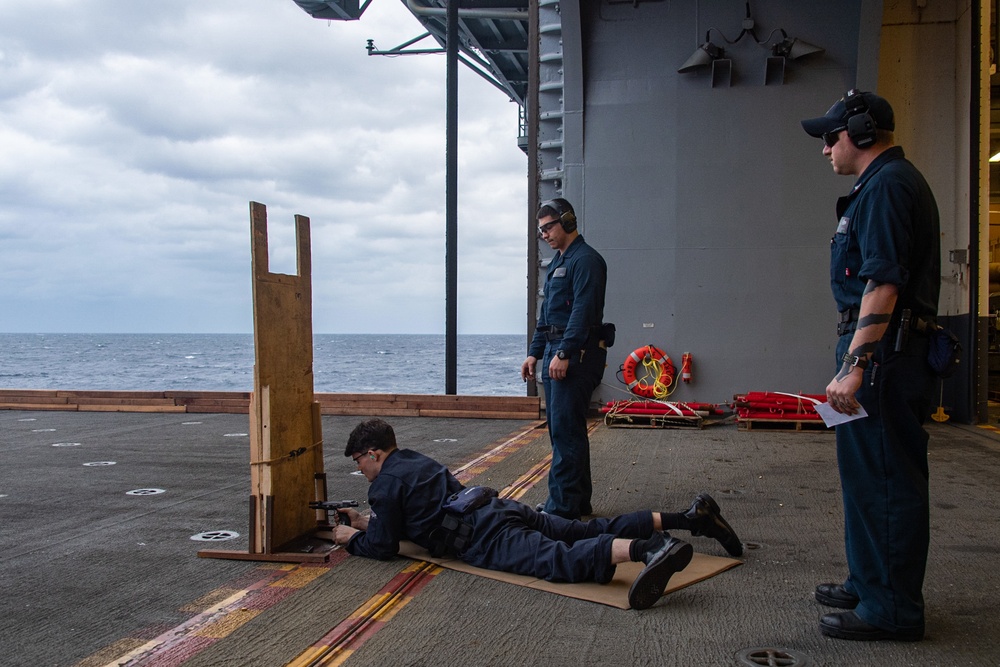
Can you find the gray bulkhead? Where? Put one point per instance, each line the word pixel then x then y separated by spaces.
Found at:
pixel 712 207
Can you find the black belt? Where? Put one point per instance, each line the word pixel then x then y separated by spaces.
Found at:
pixel 555 333
pixel 849 322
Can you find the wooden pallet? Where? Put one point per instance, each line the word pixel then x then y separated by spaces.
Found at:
pixel 745 424
pixel 621 420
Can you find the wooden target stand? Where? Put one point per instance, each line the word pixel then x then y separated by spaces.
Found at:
pixel 286 434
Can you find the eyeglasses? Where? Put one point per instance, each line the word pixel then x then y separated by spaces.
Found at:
pixel 831 138
pixel 357 459
pixel 544 229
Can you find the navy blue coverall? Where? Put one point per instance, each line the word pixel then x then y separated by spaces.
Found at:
pixel 888 232
pixel 570 319
pixel 407 498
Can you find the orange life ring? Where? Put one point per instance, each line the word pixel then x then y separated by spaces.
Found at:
pixel 658 376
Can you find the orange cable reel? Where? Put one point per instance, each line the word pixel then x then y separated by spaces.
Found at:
pixel 648 372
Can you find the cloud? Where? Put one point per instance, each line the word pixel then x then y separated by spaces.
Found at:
pixel 135 135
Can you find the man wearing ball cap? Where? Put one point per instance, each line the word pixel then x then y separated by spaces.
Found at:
pixel 885 273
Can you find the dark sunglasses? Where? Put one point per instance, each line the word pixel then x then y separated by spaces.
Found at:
pixel 831 138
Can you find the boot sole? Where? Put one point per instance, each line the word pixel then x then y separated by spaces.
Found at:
pixel 648 587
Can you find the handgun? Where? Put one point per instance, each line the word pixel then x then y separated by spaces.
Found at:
pixel 336 506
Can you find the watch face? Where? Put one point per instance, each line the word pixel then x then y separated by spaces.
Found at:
pixel 561 354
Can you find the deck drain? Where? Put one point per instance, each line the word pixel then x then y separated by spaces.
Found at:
pixel 145 492
pixel 66 444
pixel 772 657
pixel 96 464
pixel 215 536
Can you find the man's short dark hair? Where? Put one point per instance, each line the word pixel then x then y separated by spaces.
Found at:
pixel 371 434
pixel 557 208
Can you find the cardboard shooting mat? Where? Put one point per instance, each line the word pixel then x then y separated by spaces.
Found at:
pixel 613 594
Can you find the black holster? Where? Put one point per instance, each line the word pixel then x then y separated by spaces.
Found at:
pixel 451 538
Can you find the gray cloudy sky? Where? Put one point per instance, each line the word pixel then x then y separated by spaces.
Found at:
pixel 134 134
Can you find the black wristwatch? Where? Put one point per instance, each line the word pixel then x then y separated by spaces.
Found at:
pixel 562 354
pixel 853 361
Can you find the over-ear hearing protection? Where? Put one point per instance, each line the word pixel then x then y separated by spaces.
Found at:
pixel 567 218
pixel 860 124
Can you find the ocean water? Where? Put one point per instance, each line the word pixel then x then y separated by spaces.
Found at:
pixel 487 365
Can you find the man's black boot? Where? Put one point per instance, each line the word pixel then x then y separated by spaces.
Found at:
pixel 706 519
pixel 835 595
pixel 848 625
pixel 662 561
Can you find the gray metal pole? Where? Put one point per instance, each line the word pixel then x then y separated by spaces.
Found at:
pixel 451 204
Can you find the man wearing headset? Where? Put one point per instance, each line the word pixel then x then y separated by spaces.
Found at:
pixel 413 497
pixel 569 341
pixel 885 274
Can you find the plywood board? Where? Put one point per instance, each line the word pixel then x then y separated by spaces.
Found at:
pixel 285 434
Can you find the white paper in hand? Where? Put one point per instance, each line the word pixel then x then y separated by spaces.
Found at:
pixel 831 417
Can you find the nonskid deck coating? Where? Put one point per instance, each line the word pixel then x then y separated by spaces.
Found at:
pixel 84 566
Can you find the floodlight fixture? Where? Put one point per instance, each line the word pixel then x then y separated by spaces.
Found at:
pixel 794 48
pixel 703 55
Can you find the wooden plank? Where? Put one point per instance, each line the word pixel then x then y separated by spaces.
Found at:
pixel 392 398
pixel 373 399
pixel 781 425
pixel 360 404
pixel 274 557
pixel 66 407
pixel 37 399
pixel 4 393
pixel 221 402
pixel 71 394
pixel 431 402
pixel 374 412
pixel 130 408
pixel 216 409
pixel 484 403
pixel 213 395
pixel 440 398
pixel 449 400
pixel 87 400
pixel 467 414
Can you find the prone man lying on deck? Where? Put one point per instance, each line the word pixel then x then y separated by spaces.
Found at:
pixel 410 496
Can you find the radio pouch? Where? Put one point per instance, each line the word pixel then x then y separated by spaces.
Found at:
pixel 944 354
pixel 608 334
pixel 469 499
